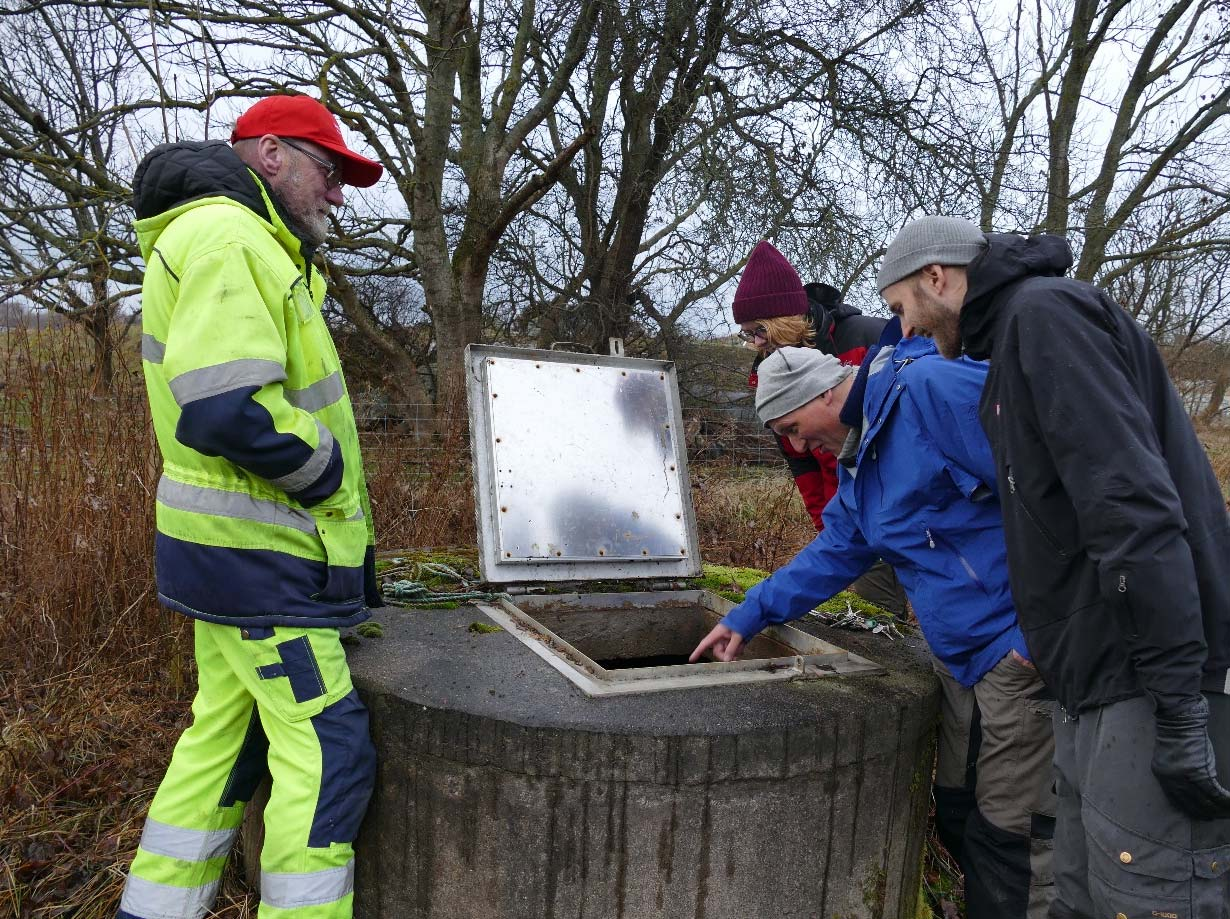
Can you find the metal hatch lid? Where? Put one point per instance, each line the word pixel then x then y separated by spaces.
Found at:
pixel 580 470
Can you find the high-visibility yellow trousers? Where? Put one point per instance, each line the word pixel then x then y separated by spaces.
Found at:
pixel 269 700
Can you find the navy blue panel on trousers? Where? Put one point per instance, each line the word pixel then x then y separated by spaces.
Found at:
pixel 264 587
pixel 348 771
pixel 236 427
pixel 251 765
pixel 300 667
pixel 997 869
pixel 953 807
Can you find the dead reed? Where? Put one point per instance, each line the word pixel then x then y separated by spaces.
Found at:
pixel 96 679
pixel 750 517
pixel 421 490
pixel 77 474
pixel 1216 440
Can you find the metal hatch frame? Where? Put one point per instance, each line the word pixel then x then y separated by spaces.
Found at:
pixel 814 658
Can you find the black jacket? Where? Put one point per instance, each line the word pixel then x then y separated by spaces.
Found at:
pixel 1117 532
pixel 841 329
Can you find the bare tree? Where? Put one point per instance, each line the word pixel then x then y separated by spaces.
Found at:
pixel 1099 114
pixel 721 124
pixel 66 93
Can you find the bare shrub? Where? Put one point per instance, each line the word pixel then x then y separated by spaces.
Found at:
pixel 421 488
pixel 749 516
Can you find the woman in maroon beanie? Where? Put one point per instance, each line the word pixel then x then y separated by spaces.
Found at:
pixel 774 310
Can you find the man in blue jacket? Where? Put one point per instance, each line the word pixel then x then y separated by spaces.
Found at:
pixel 918 489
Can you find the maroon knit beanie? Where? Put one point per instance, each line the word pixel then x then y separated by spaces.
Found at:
pixel 769 287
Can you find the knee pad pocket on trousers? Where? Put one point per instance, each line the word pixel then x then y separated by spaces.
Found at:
pixel 952 809
pixel 348 771
pixel 1132 874
pixel 998 869
pixel 1041 826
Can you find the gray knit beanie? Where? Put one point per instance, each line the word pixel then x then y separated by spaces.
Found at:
pixel 929 241
pixel 791 377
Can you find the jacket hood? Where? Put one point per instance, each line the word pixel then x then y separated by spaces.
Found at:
pixel 178 174
pixel 824 301
pixel 1008 258
pixel 175 174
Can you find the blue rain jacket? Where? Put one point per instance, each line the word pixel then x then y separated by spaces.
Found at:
pixel 921 494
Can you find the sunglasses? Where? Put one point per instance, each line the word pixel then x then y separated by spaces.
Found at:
pixel 758 332
pixel 333 172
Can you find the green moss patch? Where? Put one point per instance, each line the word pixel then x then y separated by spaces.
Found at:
pixel 728 582
pixel 864 608
pixel 734 583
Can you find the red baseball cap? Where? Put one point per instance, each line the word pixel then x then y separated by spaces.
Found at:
pixel 303 118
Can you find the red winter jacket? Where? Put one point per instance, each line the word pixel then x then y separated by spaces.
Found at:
pixel 846 333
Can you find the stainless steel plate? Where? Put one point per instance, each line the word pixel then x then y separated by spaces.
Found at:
pixel 580 470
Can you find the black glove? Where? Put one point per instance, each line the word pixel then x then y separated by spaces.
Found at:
pixel 1184 763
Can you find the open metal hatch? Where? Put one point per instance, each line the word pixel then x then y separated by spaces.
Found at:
pixel 580 475
pixel 578 467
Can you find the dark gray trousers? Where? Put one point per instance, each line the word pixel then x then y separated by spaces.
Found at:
pixel 1122 851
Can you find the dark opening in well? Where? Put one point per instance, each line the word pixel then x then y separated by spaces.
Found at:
pixel 660 636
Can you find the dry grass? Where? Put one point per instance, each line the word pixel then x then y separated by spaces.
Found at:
pixel 96 679
pixel 749 517
pixel 421 490
pixel 82 756
pixel 77 474
pixel 1216 440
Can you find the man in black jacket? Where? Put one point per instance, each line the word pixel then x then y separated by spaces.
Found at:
pixel 1118 543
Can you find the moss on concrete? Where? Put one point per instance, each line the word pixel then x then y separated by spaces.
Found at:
pixel 845 601
pixel 727 582
pixel 370 629
pixel 734 583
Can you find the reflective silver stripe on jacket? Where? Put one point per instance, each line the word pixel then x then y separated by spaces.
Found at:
pixel 310 471
pixel 291 891
pixel 210 381
pixel 152 349
pixel 321 393
pixel 185 844
pixel 201 500
pixel 148 898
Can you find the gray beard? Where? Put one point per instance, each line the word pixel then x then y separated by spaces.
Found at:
pixel 313 236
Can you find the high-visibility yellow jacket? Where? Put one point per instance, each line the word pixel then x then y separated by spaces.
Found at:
pixel 263 515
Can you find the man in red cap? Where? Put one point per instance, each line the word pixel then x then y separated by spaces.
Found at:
pixel 272 134
pixel 264 534
pixel 775 310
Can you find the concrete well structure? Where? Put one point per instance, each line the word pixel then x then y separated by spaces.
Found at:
pixel 530 773
pixel 504 792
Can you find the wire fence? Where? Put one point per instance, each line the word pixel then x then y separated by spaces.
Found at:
pixel 722 435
